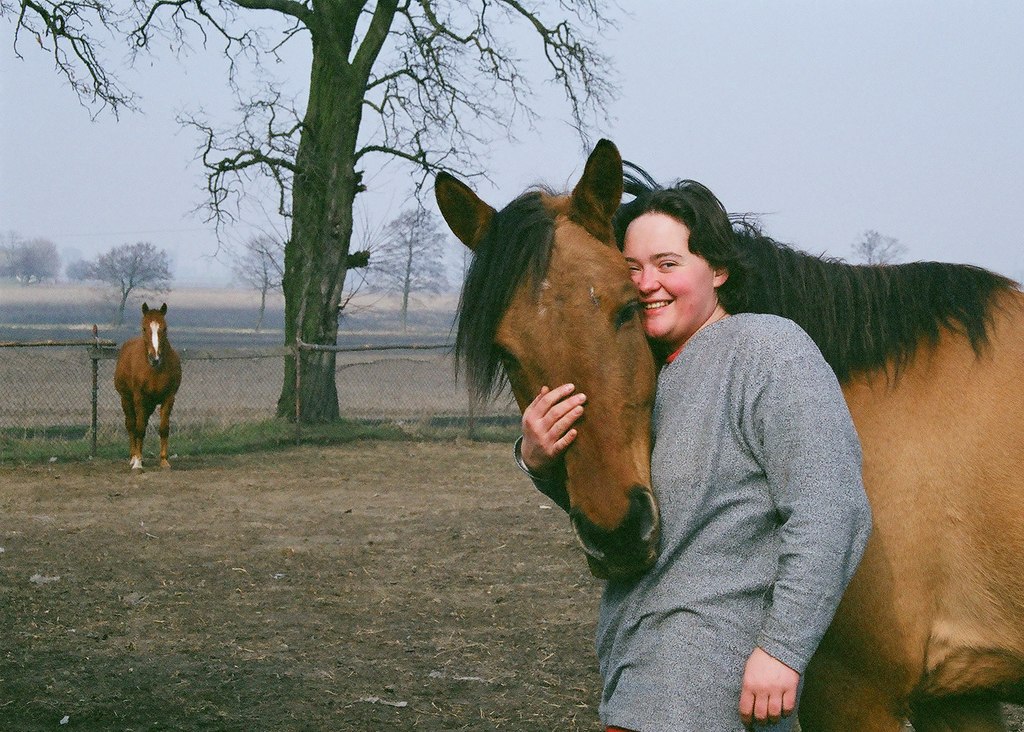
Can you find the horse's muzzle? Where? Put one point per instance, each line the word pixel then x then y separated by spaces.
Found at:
pixel 628 550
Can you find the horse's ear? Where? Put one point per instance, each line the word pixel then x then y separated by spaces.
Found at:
pixel 163 309
pixel 145 308
pixel 599 192
pixel 468 217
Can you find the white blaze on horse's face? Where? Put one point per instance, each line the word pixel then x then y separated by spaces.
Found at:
pixel 154 339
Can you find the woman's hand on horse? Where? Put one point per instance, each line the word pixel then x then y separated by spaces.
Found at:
pixel 547 426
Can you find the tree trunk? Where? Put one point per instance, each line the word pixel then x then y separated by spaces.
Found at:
pixel 119 319
pixel 315 258
pixel 405 309
pixel 406 287
pixel 263 308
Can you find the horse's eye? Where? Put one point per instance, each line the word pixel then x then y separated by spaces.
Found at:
pixel 626 313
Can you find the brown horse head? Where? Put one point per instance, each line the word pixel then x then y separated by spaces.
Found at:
pixel 547 301
pixel 154 334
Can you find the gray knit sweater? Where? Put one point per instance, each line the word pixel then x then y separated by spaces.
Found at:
pixel 756 465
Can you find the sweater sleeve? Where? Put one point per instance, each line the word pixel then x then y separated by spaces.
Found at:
pixel 553 487
pixel 812 459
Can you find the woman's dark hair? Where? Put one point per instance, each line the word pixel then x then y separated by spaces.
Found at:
pixel 694 205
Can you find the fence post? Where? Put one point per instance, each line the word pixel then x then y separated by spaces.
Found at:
pixel 298 390
pixel 95 388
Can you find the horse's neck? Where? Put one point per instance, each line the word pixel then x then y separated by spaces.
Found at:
pixel 870 317
pixel 802 287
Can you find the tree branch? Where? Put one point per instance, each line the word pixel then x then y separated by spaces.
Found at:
pixel 263 144
pixel 297 10
pixel 76 54
pixel 451 84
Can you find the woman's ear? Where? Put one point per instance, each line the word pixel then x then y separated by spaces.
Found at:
pixel 721 275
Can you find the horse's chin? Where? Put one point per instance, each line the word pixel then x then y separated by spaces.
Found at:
pixel 627 551
pixel 602 569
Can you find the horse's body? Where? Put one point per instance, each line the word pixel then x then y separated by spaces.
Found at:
pixel 148 373
pixel 931 358
pixel 932 626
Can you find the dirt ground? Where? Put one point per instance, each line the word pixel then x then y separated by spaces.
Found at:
pixel 371 586
pixel 376 586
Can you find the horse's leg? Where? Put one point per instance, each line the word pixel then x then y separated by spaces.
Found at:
pixel 165 428
pixel 142 411
pixel 958 714
pixel 835 700
pixel 134 446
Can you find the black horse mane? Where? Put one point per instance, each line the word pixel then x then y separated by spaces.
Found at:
pixel 862 317
pixel 517 245
pixel 866 317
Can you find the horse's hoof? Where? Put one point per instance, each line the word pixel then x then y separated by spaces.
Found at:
pixel 164 464
pixel 135 463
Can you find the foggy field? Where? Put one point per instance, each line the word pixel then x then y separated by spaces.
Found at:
pixel 209 318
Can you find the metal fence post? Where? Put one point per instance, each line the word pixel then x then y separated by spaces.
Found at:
pixel 95 388
pixel 298 390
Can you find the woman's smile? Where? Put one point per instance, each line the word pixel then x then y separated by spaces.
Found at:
pixel 677 287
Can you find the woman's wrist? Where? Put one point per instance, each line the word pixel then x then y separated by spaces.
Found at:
pixel 517 451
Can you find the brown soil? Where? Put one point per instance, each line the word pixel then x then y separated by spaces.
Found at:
pixel 372 586
pixel 377 586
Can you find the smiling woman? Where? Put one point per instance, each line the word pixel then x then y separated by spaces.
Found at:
pixel 678 289
pixel 751 458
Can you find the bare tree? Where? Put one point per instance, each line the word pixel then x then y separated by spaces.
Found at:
pixel 29 261
pixel 80 270
pixel 260 265
pixel 873 248
pixel 427 82
pixel 71 32
pixel 411 257
pixel 132 267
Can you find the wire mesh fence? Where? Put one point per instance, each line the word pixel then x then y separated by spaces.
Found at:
pixel 46 393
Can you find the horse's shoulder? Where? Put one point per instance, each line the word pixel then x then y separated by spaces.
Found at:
pixel 132 344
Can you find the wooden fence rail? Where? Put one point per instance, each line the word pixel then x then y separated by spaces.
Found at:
pixel 301 346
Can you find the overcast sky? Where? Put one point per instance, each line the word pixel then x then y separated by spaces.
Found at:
pixel 826 118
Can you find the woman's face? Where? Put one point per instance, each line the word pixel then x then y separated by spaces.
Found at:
pixel 677 287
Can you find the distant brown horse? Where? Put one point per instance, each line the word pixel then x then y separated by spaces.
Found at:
pixel 148 373
pixel 931 359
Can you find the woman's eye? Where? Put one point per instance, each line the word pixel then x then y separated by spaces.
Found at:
pixel 626 314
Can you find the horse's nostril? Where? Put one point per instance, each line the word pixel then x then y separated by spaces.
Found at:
pixel 650 517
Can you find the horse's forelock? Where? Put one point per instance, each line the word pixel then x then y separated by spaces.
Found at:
pixel 516 249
